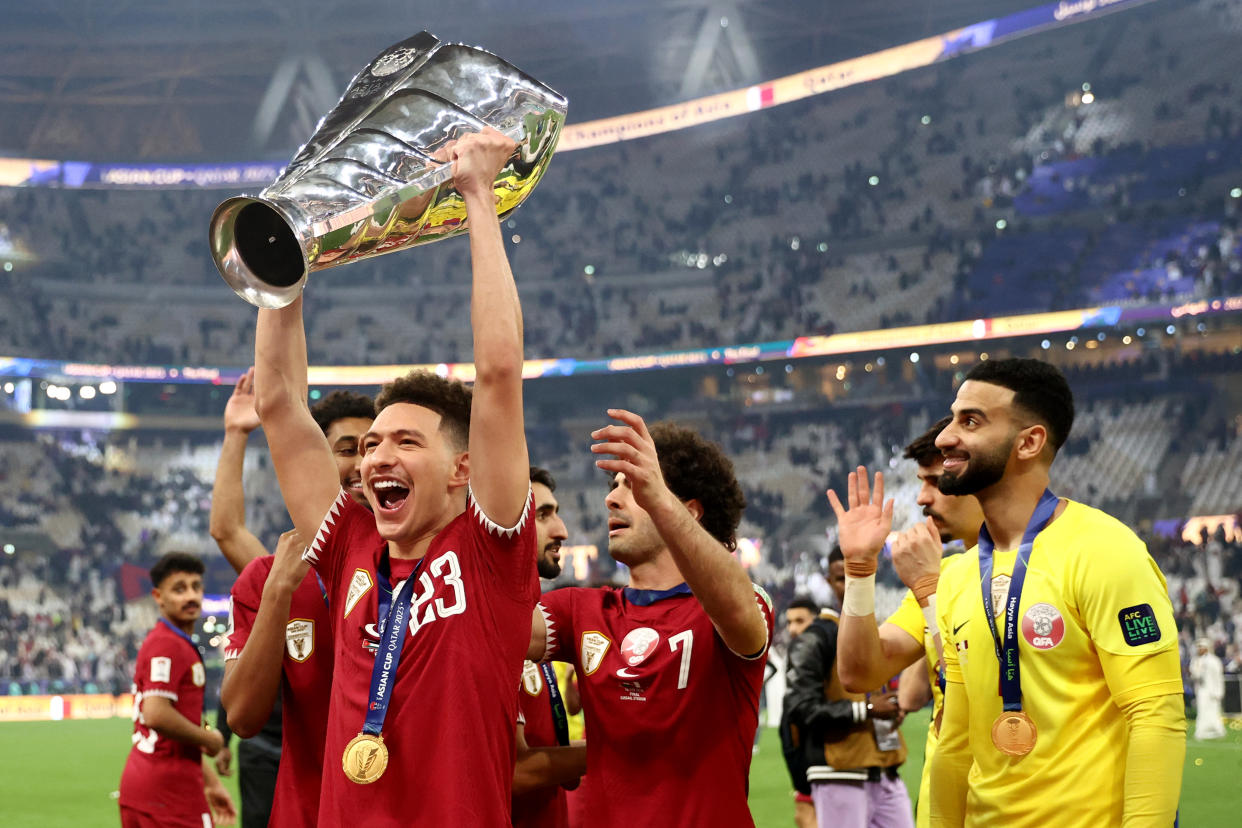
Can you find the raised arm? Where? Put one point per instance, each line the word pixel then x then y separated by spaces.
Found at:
pixel 300 453
pixel 867 655
pixel 499 465
pixel 252 679
pixel 228 505
pixel 715 577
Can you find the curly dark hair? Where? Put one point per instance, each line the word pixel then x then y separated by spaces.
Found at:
pixel 172 563
pixel 923 449
pixel 448 398
pixel 338 405
pixel 697 469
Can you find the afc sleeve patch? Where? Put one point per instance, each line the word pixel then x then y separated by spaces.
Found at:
pixel 161 669
pixel 1138 625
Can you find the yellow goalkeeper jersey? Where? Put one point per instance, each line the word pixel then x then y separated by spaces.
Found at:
pixel 1096 633
pixel 909 618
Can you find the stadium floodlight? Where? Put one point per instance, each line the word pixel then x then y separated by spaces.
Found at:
pixel 87 392
pixel 8 387
pixel 9 549
pixel 107 387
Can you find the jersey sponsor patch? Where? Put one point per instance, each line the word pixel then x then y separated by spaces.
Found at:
pixel 300 639
pixel 638 645
pixel 532 679
pixel 359 586
pixel 1138 625
pixel 1042 626
pixel 594 645
pixel 161 669
pixel 198 674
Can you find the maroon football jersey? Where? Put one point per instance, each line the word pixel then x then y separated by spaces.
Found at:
pixel 449 726
pixel 671 712
pixel 163 777
pixel 305 687
pixel 546 807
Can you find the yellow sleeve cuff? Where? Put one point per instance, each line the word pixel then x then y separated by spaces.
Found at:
pixel 1135 677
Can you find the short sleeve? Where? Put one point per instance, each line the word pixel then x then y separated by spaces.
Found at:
pixel 558 618
pixel 244 605
pixel 508 551
pixel 345 523
pixel 908 617
pixel 769 620
pixel 163 667
pixel 1123 598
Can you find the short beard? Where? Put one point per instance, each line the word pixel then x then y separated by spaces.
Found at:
pixel 547 567
pixel 982 471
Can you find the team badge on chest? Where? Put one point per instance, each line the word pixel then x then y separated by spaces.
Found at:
pixel 1000 591
pixel 638 645
pixel 359 586
pixel 594 645
pixel 532 680
pixel 1042 626
pixel 300 639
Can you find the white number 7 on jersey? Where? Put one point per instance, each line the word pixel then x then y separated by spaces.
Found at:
pixel 683 675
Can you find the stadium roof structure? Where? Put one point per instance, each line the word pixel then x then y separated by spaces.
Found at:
pixel 221 80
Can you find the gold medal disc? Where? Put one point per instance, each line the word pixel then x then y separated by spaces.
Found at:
pixel 365 759
pixel 1014 733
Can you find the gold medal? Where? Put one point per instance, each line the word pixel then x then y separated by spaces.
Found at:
pixel 365 759
pixel 1014 733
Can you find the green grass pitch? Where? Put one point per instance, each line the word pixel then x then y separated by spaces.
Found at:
pixel 66 773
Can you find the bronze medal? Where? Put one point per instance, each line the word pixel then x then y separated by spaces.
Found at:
pixel 1014 733
pixel 365 759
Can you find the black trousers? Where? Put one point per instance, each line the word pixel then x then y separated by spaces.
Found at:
pixel 256 777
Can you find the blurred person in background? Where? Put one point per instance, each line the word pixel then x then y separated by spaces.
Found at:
pixel 852 747
pixel 1208 675
pixel 801 612
pixel 167 782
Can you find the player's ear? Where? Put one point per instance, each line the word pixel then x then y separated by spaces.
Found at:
pixel 460 475
pixel 695 508
pixel 1032 441
pixel 155 594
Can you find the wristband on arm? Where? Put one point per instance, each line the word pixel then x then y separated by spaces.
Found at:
pixel 859 597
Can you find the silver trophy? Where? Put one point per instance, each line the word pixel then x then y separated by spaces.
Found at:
pixel 375 176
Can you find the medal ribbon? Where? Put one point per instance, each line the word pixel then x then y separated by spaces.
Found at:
pixel 392 618
pixel 1007 651
pixel 560 719
pixel 178 631
pixel 323 590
